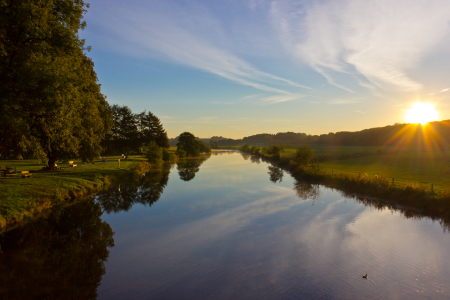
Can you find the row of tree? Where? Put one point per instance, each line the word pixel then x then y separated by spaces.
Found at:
pixel 130 131
pixel 51 106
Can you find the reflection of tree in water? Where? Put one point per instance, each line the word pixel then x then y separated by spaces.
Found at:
pixel 276 174
pixel 59 257
pixel 307 191
pixel 188 169
pixel 146 190
pixel 415 212
pixel 255 159
pixel 245 156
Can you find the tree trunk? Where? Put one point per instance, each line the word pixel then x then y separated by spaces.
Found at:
pixel 51 162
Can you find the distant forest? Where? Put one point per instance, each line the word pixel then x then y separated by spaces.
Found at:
pixel 436 133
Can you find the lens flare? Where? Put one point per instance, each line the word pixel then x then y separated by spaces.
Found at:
pixel 421 113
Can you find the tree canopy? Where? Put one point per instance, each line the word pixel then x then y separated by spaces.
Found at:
pixel 132 131
pixel 187 142
pixel 192 147
pixel 50 100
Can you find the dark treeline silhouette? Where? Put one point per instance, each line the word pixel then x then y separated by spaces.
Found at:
pixel 132 131
pixel 58 257
pixel 436 133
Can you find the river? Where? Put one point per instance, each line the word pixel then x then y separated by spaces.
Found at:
pixel 228 227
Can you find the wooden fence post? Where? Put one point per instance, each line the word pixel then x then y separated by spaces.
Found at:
pixel 118 161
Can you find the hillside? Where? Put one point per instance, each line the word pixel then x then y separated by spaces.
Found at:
pixel 436 134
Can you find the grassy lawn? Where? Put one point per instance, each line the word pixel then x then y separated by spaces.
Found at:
pixel 22 196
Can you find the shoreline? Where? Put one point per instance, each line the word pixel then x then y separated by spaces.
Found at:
pixel 376 191
pixel 29 198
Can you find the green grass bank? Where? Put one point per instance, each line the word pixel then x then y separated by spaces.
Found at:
pixel 407 166
pixel 24 198
pixel 377 187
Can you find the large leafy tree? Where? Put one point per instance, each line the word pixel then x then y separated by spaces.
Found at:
pixel 50 99
pixel 187 142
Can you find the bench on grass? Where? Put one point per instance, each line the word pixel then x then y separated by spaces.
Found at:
pixel 10 172
pixel 26 174
pixel 71 164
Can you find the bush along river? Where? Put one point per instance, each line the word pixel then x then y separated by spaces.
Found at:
pixel 227 227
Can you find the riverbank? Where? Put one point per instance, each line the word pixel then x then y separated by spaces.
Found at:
pixel 435 204
pixel 405 166
pixel 24 198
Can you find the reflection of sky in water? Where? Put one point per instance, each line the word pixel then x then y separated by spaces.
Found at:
pixel 232 233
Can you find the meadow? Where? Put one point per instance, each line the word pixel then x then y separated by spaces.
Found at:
pixel 416 166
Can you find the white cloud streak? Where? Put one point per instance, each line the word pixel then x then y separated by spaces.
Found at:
pixel 189 36
pixel 380 40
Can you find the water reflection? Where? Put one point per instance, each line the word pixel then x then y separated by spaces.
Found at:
pixel 275 173
pixel 59 257
pixel 188 168
pixel 307 191
pixel 245 156
pixel 255 159
pixel 410 212
pixel 146 190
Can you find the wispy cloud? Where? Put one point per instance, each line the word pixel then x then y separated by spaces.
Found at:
pixel 250 96
pixel 188 35
pixel 281 98
pixel 345 101
pixel 444 90
pixel 379 40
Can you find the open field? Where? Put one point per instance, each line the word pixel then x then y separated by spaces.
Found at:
pixel 406 166
pixel 321 150
pixel 22 196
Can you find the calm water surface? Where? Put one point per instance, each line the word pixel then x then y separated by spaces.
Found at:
pixel 231 227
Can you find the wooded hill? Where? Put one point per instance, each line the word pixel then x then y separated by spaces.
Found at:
pixel 433 133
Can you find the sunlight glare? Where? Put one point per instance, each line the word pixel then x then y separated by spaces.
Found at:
pixel 421 113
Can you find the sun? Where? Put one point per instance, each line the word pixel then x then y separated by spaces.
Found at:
pixel 421 113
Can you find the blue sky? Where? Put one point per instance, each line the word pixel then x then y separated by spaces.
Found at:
pixel 236 68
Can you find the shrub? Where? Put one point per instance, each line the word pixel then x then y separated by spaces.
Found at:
pixel 169 156
pixel 154 153
pixel 245 148
pixel 180 153
pixel 203 147
pixel 303 155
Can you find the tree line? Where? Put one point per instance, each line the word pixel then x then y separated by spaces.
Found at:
pixel 130 132
pixel 51 106
pixel 437 133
